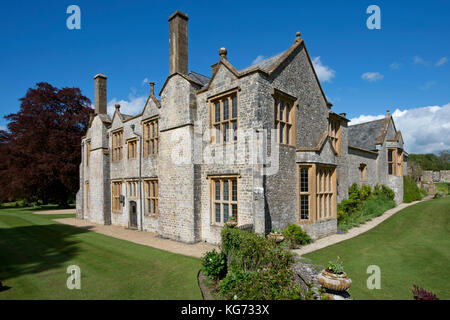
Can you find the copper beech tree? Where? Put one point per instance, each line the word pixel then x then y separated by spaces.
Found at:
pixel 40 153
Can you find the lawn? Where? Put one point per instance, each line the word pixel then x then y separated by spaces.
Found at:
pixel 411 247
pixel 36 251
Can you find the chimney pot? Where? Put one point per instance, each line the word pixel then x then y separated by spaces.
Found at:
pixel 178 42
pixel 100 94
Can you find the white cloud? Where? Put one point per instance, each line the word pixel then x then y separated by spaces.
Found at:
pixel 395 65
pixel 258 59
pixel 324 73
pixel 424 130
pixel 132 106
pixel 441 61
pixel 419 60
pixel 427 85
pixel 372 76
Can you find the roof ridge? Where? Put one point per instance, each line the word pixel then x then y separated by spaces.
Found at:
pixel 361 123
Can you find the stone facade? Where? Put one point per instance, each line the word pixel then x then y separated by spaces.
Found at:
pixel 189 161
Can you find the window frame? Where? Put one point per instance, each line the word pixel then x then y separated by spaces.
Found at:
pixel 281 97
pixel 317 194
pixel 151 207
pixel 334 133
pixel 150 136
pixel 231 136
pixel 325 192
pixel 133 189
pixel 117 145
pixel 130 143
pixel 399 159
pixel 230 202
pixel 116 192
pixel 88 151
pixel 362 172
pixel 392 162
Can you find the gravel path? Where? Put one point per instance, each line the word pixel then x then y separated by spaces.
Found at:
pixel 63 211
pixel 353 232
pixel 150 239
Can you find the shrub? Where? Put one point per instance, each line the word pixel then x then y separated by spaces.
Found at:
pixel 214 264
pixel 363 204
pixel 296 235
pixel 411 191
pixel 257 268
pixel 265 284
pixel 249 251
pixel 422 294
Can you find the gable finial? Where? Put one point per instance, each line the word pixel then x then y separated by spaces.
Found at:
pixel 223 52
pixel 117 107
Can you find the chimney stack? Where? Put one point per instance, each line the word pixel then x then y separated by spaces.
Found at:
pixel 152 88
pixel 100 94
pixel 178 42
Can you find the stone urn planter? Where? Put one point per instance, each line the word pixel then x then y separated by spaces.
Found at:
pixel 333 281
pixel 278 237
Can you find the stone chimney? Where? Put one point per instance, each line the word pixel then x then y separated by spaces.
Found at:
pixel 152 88
pixel 178 42
pixel 100 94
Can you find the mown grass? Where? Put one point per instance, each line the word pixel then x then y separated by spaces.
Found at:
pixel 35 252
pixel 411 247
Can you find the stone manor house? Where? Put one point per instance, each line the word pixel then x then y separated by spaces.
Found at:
pixel 153 171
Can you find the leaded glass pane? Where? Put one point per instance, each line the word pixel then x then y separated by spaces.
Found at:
pixel 225 212
pixel 226 110
pixel 217 212
pixel 225 190
pixel 217 189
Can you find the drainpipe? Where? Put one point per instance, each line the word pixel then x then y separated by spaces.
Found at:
pixel 140 174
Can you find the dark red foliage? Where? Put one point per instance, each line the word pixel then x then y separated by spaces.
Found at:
pixel 422 294
pixel 40 155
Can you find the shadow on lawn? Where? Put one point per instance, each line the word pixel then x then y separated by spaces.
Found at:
pixel 36 248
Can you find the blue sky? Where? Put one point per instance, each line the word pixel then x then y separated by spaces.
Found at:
pixel 363 72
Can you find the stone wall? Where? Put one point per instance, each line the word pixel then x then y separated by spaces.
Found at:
pixel 429 176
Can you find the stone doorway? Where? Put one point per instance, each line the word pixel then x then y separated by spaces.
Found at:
pixel 133 215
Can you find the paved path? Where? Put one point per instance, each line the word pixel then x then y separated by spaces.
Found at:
pixel 353 232
pixel 150 239
pixel 63 211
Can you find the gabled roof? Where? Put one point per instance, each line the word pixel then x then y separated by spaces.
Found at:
pixel 103 117
pixel 188 78
pixel 368 134
pixel 267 66
pixel 264 64
pixel 199 78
